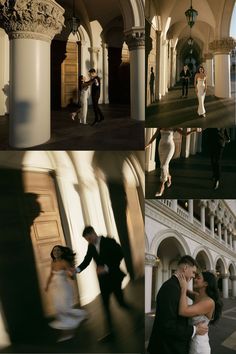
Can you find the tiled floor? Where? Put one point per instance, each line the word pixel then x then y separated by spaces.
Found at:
pixel 116 132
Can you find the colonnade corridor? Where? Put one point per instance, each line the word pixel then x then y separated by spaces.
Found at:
pixel 174 111
pixel 115 132
pixel 192 177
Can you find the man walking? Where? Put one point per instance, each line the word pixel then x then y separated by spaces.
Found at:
pixel 107 254
pixel 185 76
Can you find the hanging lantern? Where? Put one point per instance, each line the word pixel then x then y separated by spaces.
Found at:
pixel 74 22
pixel 191 15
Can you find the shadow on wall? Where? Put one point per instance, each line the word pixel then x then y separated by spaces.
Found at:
pixel 19 291
pixel 6 90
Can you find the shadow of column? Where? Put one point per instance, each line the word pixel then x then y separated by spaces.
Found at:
pixel 19 290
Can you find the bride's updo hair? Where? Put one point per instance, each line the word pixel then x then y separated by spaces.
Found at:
pixel 213 292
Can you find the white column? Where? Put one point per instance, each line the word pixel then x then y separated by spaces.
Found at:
pixel 150 152
pixel 174 204
pixel 219 230
pixel 226 235
pixel 203 216
pixel 83 69
pixel 212 224
pixel 30 37
pixel 158 67
pixel 221 49
pixel 4 73
pixel 190 210
pixel 233 279
pixel 209 69
pixel 94 53
pixel 148 288
pixel 105 73
pixel 225 284
pixel 234 243
pixel 136 44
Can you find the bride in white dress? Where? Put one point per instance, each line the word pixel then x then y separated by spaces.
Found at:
pixel 81 113
pixel 166 150
pixel 207 307
pixel 61 289
pixel 200 87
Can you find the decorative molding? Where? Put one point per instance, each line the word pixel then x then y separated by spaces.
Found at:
pixel 31 19
pixel 208 56
pixel 222 46
pixel 151 260
pixel 135 39
pixel 164 215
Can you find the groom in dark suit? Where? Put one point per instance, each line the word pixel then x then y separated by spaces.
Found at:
pixel 95 94
pixel 171 333
pixel 107 254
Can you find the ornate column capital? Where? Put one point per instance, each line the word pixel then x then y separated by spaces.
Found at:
pixel 222 46
pixel 151 260
pixel 208 56
pixel 31 19
pixel 203 203
pixel 95 50
pixel 232 277
pixel 224 276
pixel 135 39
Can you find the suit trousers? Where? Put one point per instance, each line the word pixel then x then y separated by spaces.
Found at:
pixel 216 156
pixel 97 111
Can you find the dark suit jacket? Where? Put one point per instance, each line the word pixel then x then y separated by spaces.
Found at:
pixel 110 254
pixel 217 137
pixel 184 76
pixel 171 333
pixel 95 90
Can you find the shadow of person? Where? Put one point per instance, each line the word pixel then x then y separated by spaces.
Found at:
pixel 6 91
pixel 19 289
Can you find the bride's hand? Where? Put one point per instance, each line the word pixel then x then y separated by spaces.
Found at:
pixel 182 281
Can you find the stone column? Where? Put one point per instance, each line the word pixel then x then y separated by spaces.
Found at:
pixel 158 67
pixel 94 53
pixel 30 26
pixel 233 279
pixel 225 235
pixel 209 69
pixel 105 73
pixel 203 207
pixel 174 205
pixel 212 223
pixel 221 49
pixel 190 210
pixel 83 69
pixel 136 43
pixel 234 243
pixel 219 230
pixel 4 73
pixel 150 152
pixel 150 261
pixel 225 284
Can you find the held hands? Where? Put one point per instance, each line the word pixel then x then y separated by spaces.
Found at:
pixel 201 328
pixel 101 270
pixel 182 281
pixel 147 146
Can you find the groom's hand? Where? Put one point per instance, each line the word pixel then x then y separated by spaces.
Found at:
pixel 201 328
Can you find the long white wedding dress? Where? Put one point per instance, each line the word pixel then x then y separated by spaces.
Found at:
pixel 201 96
pixel 84 105
pixel 166 149
pixel 200 344
pixel 67 317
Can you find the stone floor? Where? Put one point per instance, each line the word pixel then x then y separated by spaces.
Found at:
pixel 116 132
pixel 221 334
pixel 191 178
pixel 128 326
pixel 174 111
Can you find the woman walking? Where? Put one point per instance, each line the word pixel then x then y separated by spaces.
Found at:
pixel 200 88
